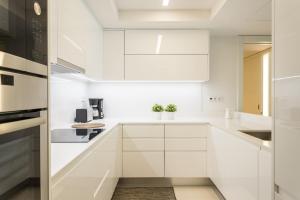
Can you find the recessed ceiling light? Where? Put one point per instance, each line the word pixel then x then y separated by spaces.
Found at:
pixel 166 2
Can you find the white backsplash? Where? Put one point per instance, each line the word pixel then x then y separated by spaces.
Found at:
pixel 135 100
pixel 66 95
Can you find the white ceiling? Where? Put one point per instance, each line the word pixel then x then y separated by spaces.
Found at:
pixel 173 5
pixel 221 17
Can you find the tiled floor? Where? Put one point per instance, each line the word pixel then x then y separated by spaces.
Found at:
pixel 195 193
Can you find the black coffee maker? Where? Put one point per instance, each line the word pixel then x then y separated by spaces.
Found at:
pixel 97 105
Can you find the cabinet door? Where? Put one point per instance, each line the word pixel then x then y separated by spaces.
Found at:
pixel 233 165
pixel 143 131
pixel 70 31
pixel 113 157
pixel 143 164
pixel 143 144
pixel 185 144
pixel 93 175
pixel 167 67
pixel 265 175
pixel 166 42
pixel 113 55
pixel 186 131
pixel 185 164
pixel 83 179
pixel 79 37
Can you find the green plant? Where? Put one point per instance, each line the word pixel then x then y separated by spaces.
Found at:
pixel 157 108
pixel 171 108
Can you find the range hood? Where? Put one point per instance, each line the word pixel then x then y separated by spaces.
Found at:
pixel 65 67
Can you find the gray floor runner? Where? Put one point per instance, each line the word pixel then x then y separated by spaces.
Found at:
pixel 147 193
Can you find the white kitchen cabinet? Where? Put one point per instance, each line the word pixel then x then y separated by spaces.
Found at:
pixel 233 165
pixel 143 164
pixel 167 67
pixel 183 42
pixel 185 150
pixel 143 131
pixel 143 144
pixel 184 164
pixel 143 150
pixel 92 175
pixel 79 37
pixel 185 144
pixel 187 131
pixel 113 55
pixel 265 175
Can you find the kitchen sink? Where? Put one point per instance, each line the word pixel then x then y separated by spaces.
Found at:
pixel 260 134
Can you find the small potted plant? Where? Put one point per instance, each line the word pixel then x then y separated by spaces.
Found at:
pixel 158 109
pixel 171 109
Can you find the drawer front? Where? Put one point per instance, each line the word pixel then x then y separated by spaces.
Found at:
pixel 83 179
pixel 185 144
pixel 186 131
pixel 185 164
pixel 143 131
pixel 143 164
pixel 143 144
pixel 167 67
pixel 173 42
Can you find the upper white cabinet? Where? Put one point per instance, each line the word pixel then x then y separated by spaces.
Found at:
pixel 156 55
pixel 167 55
pixel 178 42
pixel 167 67
pixel 113 55
pixel 79 36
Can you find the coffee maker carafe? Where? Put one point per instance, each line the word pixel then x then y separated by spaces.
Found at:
pixel 97 105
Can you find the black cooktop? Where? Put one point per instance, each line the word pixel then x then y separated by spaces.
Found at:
pixel 74 135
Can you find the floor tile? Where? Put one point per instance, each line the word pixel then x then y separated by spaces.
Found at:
pixel 195 193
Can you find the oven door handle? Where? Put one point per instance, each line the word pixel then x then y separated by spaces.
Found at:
pixel 20 125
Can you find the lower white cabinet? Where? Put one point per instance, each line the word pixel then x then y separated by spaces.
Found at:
pixel 143 150
pixel 170 150
pixel 143 164
pixel 185 164
pixel 265 175
pixel 233 165
pixel 143 144
pixel 94 174
pixel 185 150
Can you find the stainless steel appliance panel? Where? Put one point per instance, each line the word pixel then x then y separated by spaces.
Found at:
pixel 22 92
pixel 10 61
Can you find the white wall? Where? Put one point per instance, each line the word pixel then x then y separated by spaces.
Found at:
pixel 223 74
pixel 134 100
pixel 65 96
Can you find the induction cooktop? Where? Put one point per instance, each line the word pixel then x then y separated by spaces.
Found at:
pixel 74 135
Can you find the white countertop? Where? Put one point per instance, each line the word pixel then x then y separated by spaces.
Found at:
pixel 63 153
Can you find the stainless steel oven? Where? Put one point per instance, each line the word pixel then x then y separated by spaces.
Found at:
pixel 23 132
pixel 23 29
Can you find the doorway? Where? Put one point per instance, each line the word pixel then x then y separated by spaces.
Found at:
pixel 257 78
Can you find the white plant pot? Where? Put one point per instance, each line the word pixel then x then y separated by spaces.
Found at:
pixel 170 115
pixel 158 115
